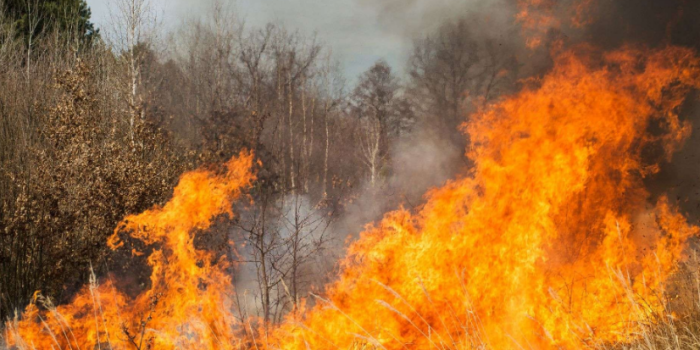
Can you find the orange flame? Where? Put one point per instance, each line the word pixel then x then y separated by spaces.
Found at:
pixel 549 244
pixel 189 298
pixel 538 17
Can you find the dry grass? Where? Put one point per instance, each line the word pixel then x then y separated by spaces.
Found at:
pixel 675 328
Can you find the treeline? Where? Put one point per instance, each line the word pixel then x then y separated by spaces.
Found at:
pixel 95 126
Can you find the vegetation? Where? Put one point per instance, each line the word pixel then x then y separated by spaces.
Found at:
pixel 30 19
pixel 92 132
pixel 95 127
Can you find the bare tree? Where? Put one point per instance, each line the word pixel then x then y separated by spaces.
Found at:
pixel 370 138
pixel 294 57
pixel 332 84
pixel 260 231
pixel 378 102
pixel 33 19
pixel 134 22
pixel 454 66
pixel 306 237
pixel 285 238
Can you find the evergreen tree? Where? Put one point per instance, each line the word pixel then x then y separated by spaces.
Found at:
pixel 34 17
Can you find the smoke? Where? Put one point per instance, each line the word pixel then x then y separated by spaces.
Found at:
pixel 282 243
pixel 415 18
pixel 418 161
pixel 604 23
pixel 680 177
pixel 644 22
pixel 607 24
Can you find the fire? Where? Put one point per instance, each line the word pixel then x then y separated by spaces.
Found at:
pixel 187 305
pixel 538 17
pixel 550 243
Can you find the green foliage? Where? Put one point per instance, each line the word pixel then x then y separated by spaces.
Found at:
pixel 31 18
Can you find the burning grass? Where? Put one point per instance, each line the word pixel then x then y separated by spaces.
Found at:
pixel 668 330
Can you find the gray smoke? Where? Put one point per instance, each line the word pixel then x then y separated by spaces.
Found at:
pixel 415 18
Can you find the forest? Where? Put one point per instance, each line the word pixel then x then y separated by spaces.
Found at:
pixel 514 186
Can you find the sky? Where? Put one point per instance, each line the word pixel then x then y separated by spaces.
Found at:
pixel 355 30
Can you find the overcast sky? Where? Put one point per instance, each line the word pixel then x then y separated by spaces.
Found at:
pixel 354 30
